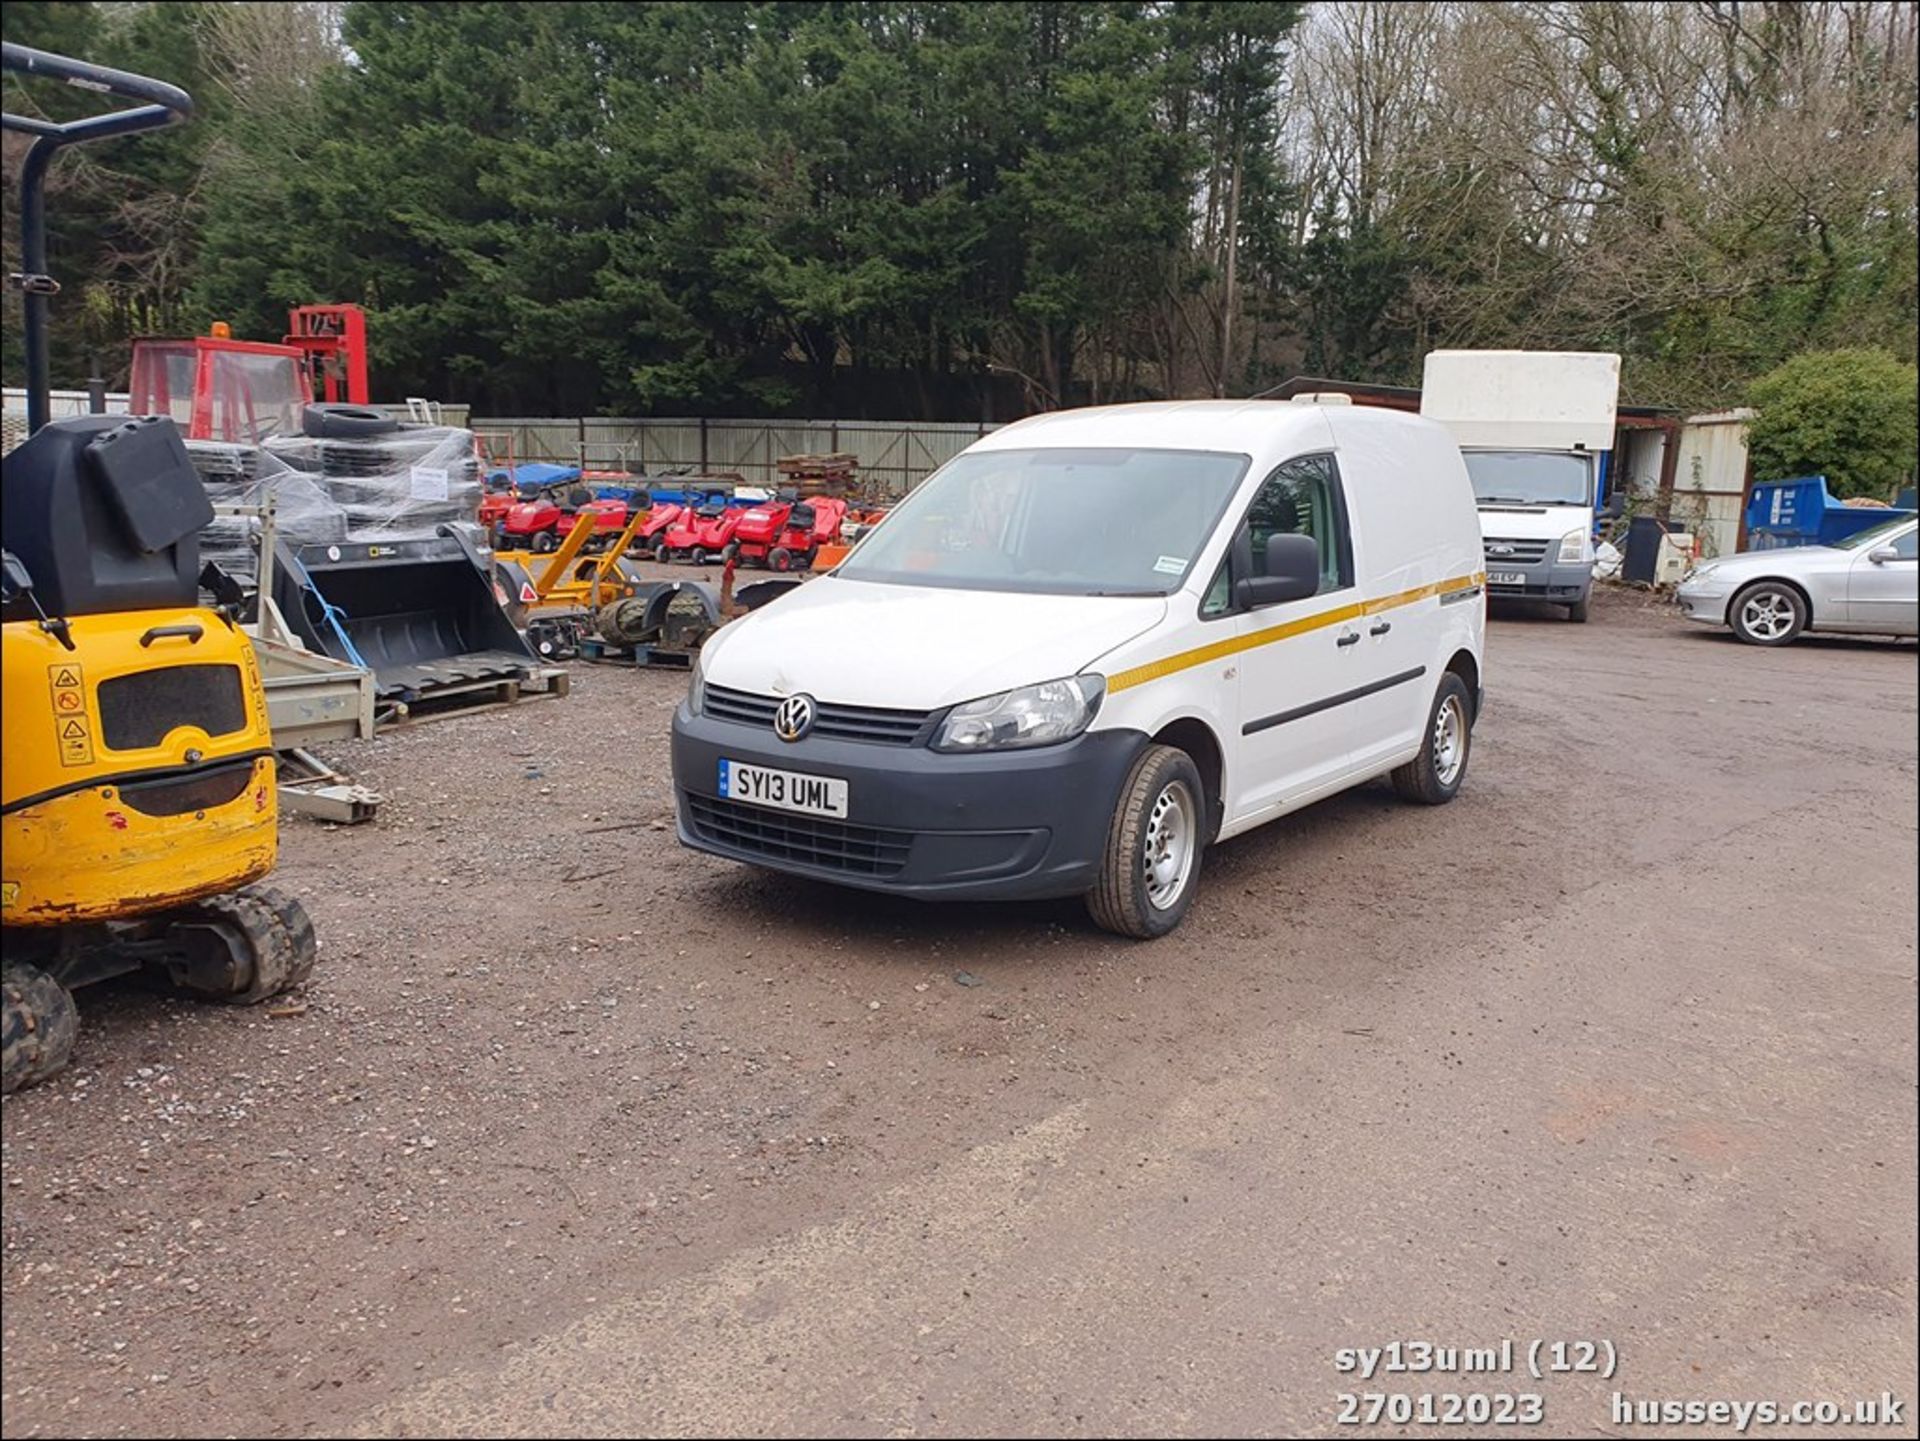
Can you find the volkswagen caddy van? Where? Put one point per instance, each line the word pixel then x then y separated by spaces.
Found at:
pixel 1094 643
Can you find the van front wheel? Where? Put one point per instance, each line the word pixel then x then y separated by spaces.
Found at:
pixel 1151 865
pixel 1433 777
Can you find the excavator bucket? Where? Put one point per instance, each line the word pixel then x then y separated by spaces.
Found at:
pixel 422 615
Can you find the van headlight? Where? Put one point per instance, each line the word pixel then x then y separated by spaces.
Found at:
pixel 1573 548
pixel 1033 715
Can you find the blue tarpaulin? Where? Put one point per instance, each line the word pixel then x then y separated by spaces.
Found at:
pixel 534 475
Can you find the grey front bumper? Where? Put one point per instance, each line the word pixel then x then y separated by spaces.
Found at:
pixel 1544 580
pixel 1002 826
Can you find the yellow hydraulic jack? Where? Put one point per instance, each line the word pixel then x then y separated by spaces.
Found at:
pixel 557 598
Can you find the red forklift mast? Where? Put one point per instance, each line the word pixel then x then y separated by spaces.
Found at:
pixel 333 339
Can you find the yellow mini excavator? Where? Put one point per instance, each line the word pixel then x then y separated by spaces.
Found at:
pixel 137 795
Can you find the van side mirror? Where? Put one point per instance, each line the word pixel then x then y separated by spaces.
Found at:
pixel 1616 505
pixel 1293 573
pixel 1884 554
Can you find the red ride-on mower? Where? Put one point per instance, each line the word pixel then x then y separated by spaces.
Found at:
pixel 701 535
pixel 496 503
pixel 786 534
pixel 535 524
pixel 651 538
pixel 608 518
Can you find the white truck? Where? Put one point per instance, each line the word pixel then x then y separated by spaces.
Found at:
pixel 1535 428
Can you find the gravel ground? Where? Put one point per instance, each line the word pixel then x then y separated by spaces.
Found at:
pixel 581 1133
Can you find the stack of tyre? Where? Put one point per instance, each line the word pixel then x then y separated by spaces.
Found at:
pixel 394 480
pixel 247 475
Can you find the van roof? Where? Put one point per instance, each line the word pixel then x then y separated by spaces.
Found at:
pixel 1244 426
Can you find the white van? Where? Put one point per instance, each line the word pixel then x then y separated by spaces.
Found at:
pixel 1093 643
pixel 1535 426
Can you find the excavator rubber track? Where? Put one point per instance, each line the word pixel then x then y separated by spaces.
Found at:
pixel 243 947
pixel 38 1024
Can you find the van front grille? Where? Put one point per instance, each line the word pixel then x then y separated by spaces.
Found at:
pixel 1515 552
pixel 835 722
pixel 804 840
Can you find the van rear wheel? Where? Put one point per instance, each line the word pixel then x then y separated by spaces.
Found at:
pixel 1151 864
pixel 1433 777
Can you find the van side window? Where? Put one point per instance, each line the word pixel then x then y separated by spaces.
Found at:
pixel 1302 497
pixel 1907 546
pixel 1220 594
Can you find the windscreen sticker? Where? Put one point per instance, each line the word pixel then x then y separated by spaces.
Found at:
pixel 1170 565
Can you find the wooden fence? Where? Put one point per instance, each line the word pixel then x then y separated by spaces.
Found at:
pixel 894 455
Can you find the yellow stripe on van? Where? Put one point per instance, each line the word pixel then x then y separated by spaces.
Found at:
pixel 1233 645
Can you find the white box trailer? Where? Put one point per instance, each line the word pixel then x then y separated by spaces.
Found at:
pixel 1535 427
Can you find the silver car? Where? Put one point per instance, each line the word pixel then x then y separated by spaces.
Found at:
pixel 1865 584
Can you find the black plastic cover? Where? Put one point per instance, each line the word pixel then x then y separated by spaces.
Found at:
pixel 148 479
pixel 85 526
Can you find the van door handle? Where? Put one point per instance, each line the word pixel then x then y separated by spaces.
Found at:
pixel 1382 628
pixel 189 631
pixel 1352 637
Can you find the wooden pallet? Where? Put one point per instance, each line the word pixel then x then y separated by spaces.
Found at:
pixel 541 683
pixel 602 652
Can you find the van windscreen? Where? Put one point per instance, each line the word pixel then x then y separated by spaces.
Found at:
pixel 1529 477
pixel 1055 521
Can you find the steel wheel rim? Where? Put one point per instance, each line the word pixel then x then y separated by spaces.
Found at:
pixel 1449 740
pixel 1768 615
pixel 1171 842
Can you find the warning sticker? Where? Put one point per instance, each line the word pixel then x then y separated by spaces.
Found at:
pixel 76 742
pixel 66 681
pixel 71 724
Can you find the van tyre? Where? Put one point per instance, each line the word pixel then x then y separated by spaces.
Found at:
pixel 1577 612
pixel 37 1027
pixel 244 947
pixel 1433 777
pixel 1768 612
pixel 1150 867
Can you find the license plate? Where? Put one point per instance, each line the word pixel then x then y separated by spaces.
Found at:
pixel 783 790
pixel 1506 577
